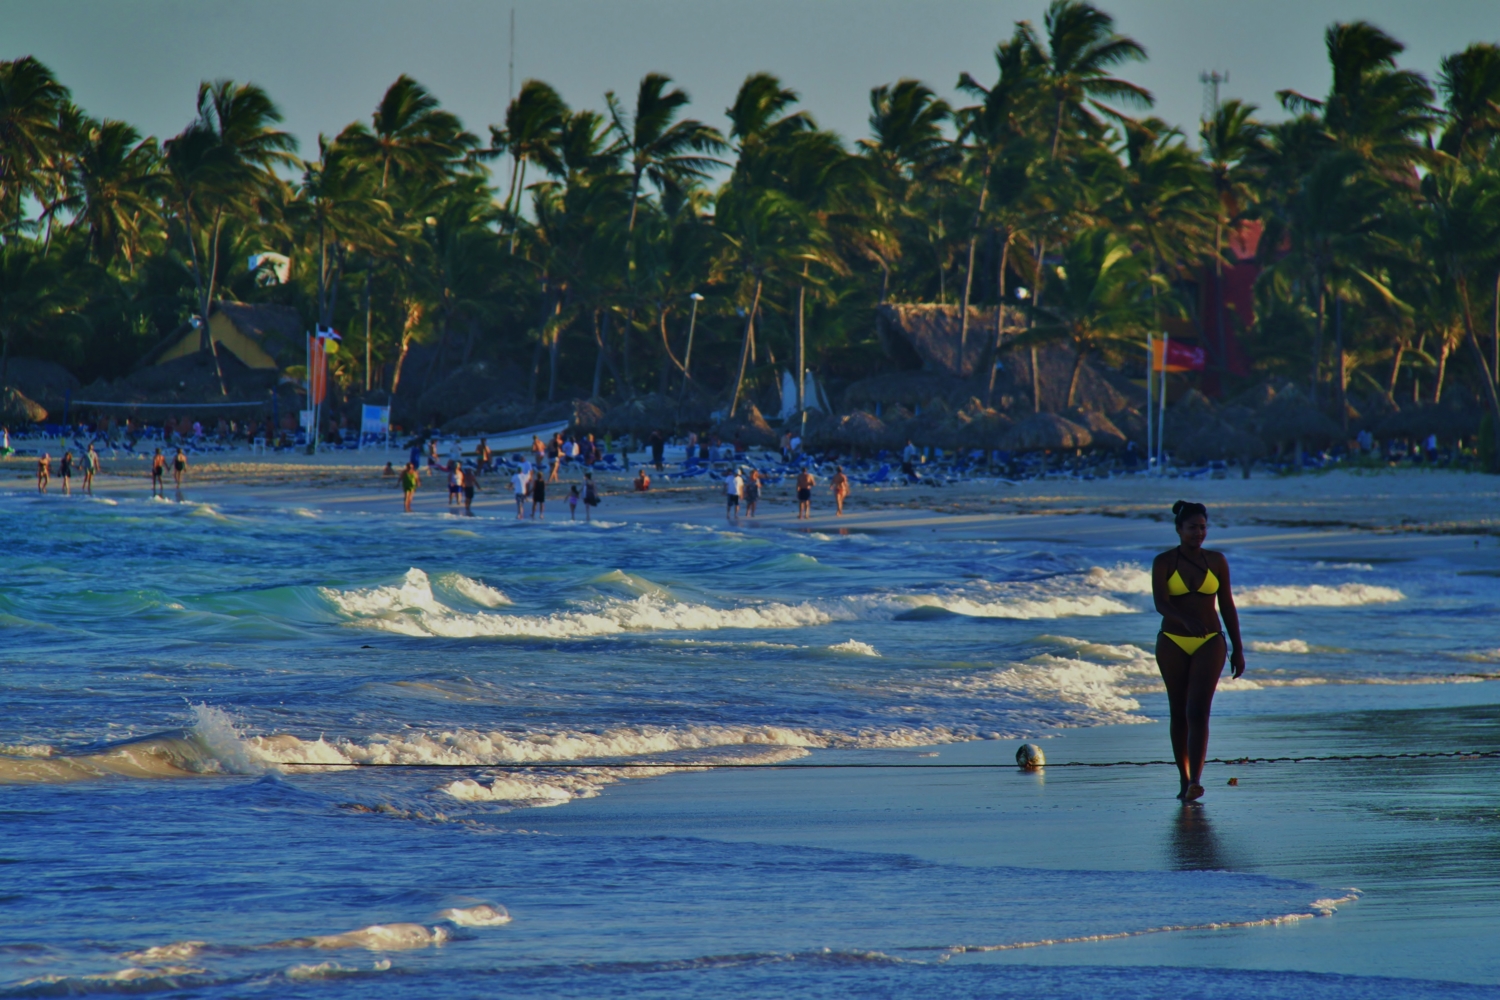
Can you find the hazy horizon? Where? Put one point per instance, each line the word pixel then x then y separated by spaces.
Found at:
pixel 327 65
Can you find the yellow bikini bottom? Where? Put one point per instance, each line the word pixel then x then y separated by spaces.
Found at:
pixel 1190 644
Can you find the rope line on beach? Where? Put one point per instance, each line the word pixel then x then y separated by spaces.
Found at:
pixel 858 765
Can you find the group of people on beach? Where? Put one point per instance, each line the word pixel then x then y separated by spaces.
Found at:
pixel 88 465
pixel 742 489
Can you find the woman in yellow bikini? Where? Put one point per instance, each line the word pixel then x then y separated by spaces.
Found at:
pixel 1190 649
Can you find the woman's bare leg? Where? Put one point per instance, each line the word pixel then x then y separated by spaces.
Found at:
pixel 1176 671
pixel 1203 681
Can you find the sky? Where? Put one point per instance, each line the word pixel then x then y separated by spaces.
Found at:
pixel 326 62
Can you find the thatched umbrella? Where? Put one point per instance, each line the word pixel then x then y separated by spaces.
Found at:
pixel 1420 421
pixel 1101 428
pixel 587 415
pixel 1290 417
pixel 15 408
pixel 1219 440
pixel 749 428
pixel 1046 432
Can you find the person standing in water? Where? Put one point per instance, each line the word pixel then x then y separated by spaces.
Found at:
pixel 538 495
pixel 66 470
pixel 734 485
pixel 521 483
pixel 752 491
pixel 590 495
pixel 90 469
pixel 1186 583
pixel 179 466
pixel 410 480
pixel 43 472
pixel 840 484
pixel 805 484
pixel 158 470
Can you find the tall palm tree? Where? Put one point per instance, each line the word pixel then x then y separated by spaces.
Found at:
pixel 1081 51
pixel 534 123
pixel 31 103
pixel 1470 85
pixel 1232 140
pixel 657 148
pixel 410 135
pixel 113 188
pixel 219 165
pixel 338 205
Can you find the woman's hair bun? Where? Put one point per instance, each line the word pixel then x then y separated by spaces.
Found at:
pixel 1184 509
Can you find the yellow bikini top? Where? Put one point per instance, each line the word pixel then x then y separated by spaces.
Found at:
pixel 1176 586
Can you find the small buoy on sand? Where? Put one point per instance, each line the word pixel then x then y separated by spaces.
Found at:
pixel 1030 757
pixel 1234 781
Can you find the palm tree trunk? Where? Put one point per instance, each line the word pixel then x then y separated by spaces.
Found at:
pixel 554 347
pixel 4 356
pixel 206 337
pixel 1390 389
pixel 1340 370
pixel 413 317
pixel 1473 339
pixel 739 380
pixel 963 319
pixel 1437 392
pixel 989 393
pixel 1073 379
pixel 1317 358
pixel 801 338
pixel 517 209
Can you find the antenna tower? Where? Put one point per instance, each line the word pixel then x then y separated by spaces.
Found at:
pixel 1211 81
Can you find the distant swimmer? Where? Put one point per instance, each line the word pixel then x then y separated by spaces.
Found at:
pixel 1190 648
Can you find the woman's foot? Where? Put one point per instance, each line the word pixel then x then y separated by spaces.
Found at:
pixel 1182 791
pixel 1192 793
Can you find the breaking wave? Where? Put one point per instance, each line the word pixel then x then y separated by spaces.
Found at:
pixel 1345 595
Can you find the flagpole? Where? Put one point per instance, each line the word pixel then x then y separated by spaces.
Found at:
pixel 1150 412
pixel 1161 408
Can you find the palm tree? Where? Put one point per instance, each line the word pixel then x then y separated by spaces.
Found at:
pixel 219 165
pixel 338 203
pixel 534 122
pixel 1470 85
pixel 31 104
pixel 1082 48
pixel 667 153
pixel 1103 296
pixel 410 135
pixel 113 188
pixel 998 127
pixel 1461 240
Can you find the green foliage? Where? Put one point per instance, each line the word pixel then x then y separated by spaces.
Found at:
pixel 574 262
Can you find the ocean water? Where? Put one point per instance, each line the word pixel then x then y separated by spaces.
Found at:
pixel 186 686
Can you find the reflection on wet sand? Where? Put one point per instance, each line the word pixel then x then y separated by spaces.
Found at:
pixel 1194 845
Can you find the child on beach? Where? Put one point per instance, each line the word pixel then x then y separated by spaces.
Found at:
pixel 840 484
pixel 410 480
pixel 642 481
pixel 573 502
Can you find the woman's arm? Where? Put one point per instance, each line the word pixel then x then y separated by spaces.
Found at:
pixel 1171 618
pixel 1231 617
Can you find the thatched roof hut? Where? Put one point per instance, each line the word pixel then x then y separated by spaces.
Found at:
pixel 933 333
pixel 1046 432
pixel 1447 422
pixel 1290 417
pixel 16 408
pixel 748 427
pixel 1100 427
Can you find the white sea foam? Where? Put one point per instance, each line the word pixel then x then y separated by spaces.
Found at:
pixel 856 647
pixel 483 915
pixel 1022 605
pixel 1283 646
pixel 376 937
pixel 1121 578
pixel 1358 567
pixel 476 591
pixel 1317 596
pixel 177 951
